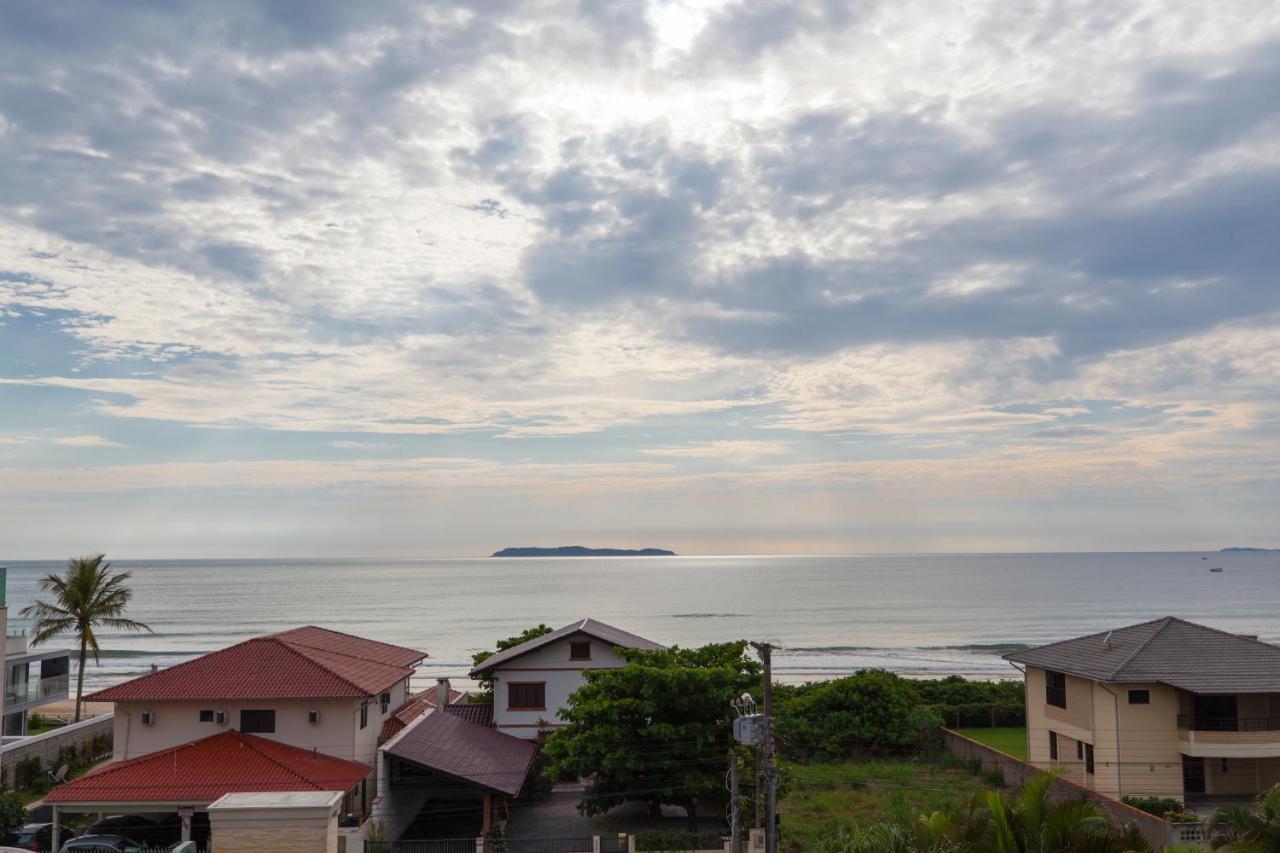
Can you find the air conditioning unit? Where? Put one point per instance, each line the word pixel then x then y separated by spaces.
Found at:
pixel 313 717
pixel 220 717
pixel 148 717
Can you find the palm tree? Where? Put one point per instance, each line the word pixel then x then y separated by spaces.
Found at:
pixel 1244 830
pixel 86 595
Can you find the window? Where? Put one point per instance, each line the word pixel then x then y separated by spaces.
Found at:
pixel 206 716
pixel 259 722
pixel 1139 697
pixel 579 651
pixel 1055 689
pixel 1080 750
pixel 527 696
pixel 1088 758
pixel 385 701
pixel 364 714
pixel 1225 769
pixel 1053 746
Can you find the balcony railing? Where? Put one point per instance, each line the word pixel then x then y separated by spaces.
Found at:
pixel 1228 724
pixel 36 689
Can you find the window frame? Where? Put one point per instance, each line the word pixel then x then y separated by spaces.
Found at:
pixel 575 645
pixel 206 716
pixel 541 685
pixel 1139 697
pixel 364 715
pixel 385 700
pixel 1088 759
pixel 255 731
pixel 1053 746
pixel 1052 691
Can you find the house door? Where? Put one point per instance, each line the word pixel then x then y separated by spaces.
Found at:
pixel 1192 775
pixel 1216 714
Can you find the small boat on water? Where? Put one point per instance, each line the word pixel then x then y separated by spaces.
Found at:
pixel 1204 558
pixel 1216 569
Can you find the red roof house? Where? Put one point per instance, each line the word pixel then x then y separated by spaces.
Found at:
pixel 202 771
pixel 304 663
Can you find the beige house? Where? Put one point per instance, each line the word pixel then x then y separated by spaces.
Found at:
pixel 1165 708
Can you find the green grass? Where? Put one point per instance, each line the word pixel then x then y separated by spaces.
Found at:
pixel 1012 741
pixel 820 799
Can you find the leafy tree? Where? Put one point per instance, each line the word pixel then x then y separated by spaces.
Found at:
pixel 872 711
pixel 13 813
pixel 486 682
pixel 656 730
pixel 1240 829
pixel 85 596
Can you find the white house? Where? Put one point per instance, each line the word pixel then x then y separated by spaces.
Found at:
pixel 532 681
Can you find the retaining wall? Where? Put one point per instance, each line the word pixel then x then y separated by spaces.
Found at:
pixel 1016 772
pixel 46 746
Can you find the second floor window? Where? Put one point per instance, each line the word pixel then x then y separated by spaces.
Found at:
pixel 206 716
pixel 1055 689
pixel 1139 697
pixel 1053 746
pixel 579 651
pixel 528 696
pixel 385 701
pixel 257 722
pixel 1088 758
pixel 364 714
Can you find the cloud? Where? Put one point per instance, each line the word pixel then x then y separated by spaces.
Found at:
pixel 725 449
pixel 86 441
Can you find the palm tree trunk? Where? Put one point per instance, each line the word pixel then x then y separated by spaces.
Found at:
pixel 80 679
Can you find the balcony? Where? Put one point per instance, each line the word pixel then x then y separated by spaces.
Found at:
pixel 35 691
pixel 1229 737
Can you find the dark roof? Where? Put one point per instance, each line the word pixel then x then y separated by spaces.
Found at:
pixel 615 637
pixel 480 713
pixel 1169 651
pixel 304 663
pixel 415 707
pixel 204 770
pixel 468 751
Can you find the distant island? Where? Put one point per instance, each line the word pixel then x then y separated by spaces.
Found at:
pixel 1246 550
pixel 579 551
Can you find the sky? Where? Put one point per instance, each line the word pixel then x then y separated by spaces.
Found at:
pixel 413 279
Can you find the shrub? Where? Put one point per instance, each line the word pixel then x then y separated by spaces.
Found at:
pixel 28 772
pixel 1158 806
pixel 872 711
pixel 12 813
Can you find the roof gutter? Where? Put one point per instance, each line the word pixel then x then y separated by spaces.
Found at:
pixel 1026 708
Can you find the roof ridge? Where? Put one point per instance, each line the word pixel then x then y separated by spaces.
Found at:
pixel 1056 643
pixel 240 737
pixel 349 636
pixel 339 654
pixel 1248 638
pixel 177 666
pixel 293 651
pixel 1164 623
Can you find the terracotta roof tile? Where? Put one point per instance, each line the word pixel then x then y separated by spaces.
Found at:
pixel 204 770
pixel 305 663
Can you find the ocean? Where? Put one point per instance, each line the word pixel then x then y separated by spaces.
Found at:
pixel 918 615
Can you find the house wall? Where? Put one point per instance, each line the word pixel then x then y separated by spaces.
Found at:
pixel 562 676
pixel 177 722
pixel 1136 750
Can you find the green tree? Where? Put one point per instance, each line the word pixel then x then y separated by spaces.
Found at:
pixel 486 682
pixel 871 711
pixel 656 730
pixel 1240 829
pixel 85 596
pixel 13 813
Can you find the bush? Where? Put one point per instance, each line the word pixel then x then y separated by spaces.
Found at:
pixel 1158 806
pixel 870 712
pixel 27 773
pixel 12 813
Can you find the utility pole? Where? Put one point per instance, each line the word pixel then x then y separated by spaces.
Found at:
pixel 735 806
pixel 770 765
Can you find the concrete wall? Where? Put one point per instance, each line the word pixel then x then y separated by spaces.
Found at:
pixel 1017 772
pixel 552 666
pixel 46 746
pixel 274 830
pixel 177 722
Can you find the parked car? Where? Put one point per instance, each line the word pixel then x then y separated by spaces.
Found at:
pixel 35 836
pixel 101 844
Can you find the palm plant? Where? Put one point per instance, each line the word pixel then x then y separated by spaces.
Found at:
pixel 87 595
pixel 1240 829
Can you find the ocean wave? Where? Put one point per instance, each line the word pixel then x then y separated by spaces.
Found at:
pixel 995 649
pixel 709 616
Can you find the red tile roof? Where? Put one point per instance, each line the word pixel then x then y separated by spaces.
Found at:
pixel 411 710
pixel 305 663
pixel 478 754
pixel 203 770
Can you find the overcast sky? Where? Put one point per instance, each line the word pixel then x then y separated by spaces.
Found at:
pixel 412 278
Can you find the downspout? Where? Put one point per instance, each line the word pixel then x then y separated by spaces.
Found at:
pixel 128 728
pixel 1026 710
pixel 1115 703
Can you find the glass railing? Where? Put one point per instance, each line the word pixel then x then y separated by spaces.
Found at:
pixel 36 689
pixel 4 585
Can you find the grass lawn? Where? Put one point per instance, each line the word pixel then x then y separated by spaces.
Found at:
pixel 1008 740
pixel 820 799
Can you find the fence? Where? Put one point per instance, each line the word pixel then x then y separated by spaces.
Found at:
pixel 1016 772
pixel 46 747
pixel 593 844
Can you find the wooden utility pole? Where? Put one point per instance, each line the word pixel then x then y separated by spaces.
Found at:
pixel 770 764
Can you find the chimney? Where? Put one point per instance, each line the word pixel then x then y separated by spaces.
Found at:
pixel 442 693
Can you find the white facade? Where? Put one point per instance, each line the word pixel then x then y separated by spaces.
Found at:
pixel 554 667
pixel 338 731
